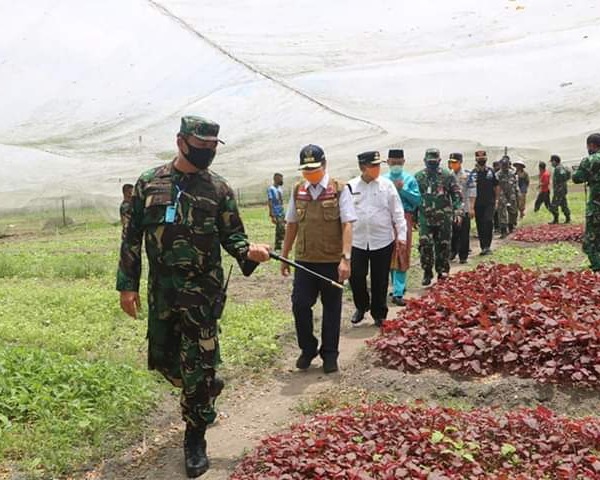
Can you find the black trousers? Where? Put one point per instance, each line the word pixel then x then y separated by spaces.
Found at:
pixel 379 261
pixel 307 289
pixel 542 198
pixel 484 219
pixel 460 237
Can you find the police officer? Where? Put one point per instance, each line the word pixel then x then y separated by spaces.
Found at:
pixel 184 211
pixel 588 172
pixel 319 221
pixel 441 205
pixel 485 182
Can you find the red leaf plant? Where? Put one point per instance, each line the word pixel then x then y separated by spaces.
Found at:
pixel 388 442
pixel 549 233
pixel 501 318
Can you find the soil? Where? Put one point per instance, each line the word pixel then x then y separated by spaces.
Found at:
pixel 252 408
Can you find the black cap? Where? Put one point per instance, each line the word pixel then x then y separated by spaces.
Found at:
pixel 593 139
pixel 369 158
pixel 555 158
pixel 311 156
pixel 456 156
pixel 396 153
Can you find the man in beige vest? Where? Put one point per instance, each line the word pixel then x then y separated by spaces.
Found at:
pixel 319 219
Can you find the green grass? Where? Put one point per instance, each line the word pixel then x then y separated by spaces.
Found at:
pixel 73 381
pixel 555 255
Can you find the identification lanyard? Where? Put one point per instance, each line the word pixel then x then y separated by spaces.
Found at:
pixel 171 211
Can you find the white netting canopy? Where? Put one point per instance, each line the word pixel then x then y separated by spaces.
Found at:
pixel 91 92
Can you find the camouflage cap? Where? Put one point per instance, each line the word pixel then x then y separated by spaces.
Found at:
pixel 369 158
pixel 480 154
pixel 456 157
pixel 311 156
pixel 432 154
pixel 201 128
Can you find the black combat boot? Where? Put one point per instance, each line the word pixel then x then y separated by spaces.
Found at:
pixel 567 218
pixel 427 277
pixel 194 448
pixel 555 221
pixel 503 231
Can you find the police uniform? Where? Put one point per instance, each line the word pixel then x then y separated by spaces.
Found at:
pixel 484 180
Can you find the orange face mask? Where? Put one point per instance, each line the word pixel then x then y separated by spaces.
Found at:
pixel 373 171
pixel 313 176
pixel 454 166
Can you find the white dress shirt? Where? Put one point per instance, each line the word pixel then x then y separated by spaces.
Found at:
pixel 380 214
pixel 347 213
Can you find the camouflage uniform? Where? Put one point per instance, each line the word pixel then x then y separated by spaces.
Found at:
pixel 441 203
pixel 508 200
pixel 125 211
pixel 185 278
pixel 560 177
pixel 589 173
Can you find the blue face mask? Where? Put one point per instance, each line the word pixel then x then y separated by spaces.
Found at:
pixel 396 171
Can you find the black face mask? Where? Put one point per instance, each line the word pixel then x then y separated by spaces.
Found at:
pixel 432 165
pixel 481 163
pixel 200 158
pixel 591 152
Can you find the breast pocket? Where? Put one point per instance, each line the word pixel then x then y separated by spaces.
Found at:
pixel 331 210
pixel 202 215
pixel 156 205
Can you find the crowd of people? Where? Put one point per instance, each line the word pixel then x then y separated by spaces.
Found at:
pixel 185 213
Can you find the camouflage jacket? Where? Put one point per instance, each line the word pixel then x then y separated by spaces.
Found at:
pixel 183 252
pixel 441 198
pixel 125 211
pixel 560 177
pixel 509 186
pixel 589 172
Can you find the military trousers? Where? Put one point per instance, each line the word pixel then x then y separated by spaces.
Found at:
pixel 434 246
pixel 279 231
pixel 507 213
pixel 379 262
pixel 591 240
pixel 305 292
pixel 484 220
pixel 184 347
pixel 560 201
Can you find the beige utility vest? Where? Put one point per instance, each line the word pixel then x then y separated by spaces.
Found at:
pixel 319 238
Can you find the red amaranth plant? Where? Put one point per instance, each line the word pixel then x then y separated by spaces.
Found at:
pixel 388 442
pixel 549 233
pixel 501 318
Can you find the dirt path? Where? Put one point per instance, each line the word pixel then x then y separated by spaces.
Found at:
pixel 249 411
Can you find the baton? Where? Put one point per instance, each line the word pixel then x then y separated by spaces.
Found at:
pixel 307 270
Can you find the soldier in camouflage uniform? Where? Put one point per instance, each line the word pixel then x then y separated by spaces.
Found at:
pixel 560 177
pixel 507 209
pixel 441 205
pixel 184 212
pixel 588 172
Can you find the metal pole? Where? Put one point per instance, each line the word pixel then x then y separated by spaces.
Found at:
pixel 307 270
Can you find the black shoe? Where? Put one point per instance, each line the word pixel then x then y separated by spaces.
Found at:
pixel 485 251
pixel 378 321
pixel 427 277
pixel 442 276
pixel 194 449
pixel 357 317
pixel 553 222
pixel 568 220
pixel 452 256
pixel 462 261
pixel 330 365
pixel 399 301
pixel 304 361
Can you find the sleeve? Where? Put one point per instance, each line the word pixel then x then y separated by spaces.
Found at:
pixel 582 174
pixel 410 192
pixel 290 215
pixel 347 213
pixel 455 194
pixel 471 187
pixel 397 210
pixel 130 257
pixel 526 181
pixel 232 235
pixel 495 182
pixel 270 194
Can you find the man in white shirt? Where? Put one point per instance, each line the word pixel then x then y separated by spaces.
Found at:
pixel 380 224
pixel 319 221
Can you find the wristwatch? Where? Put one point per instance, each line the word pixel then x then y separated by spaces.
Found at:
pixel 346 256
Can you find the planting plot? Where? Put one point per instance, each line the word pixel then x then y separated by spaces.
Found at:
pixel 516 321
pixel 549 233
pixel 389 442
